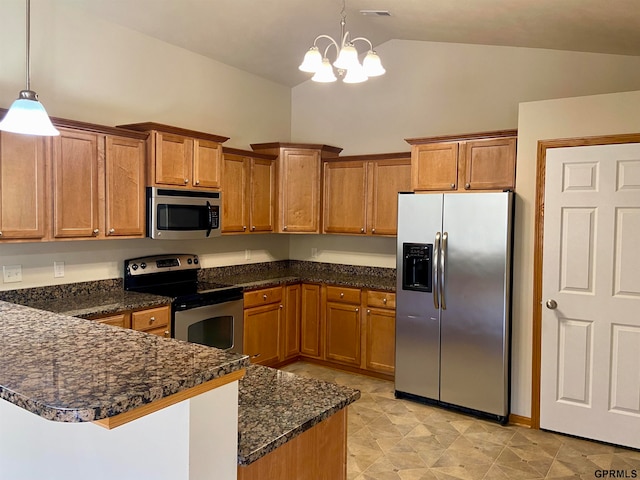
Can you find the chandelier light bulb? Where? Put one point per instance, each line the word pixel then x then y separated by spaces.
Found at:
pixel 312 61
pixel 325 73
pixel 372 65
pixel 355 74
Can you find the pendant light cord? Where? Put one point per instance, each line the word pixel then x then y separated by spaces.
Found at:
pixel 28 44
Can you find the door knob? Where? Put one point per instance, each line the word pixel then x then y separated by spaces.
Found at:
pixel 552 304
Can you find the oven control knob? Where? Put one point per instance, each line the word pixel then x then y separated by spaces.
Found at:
pixel 195 260
pixel 189 261
pixel 134 266
pixel 143 265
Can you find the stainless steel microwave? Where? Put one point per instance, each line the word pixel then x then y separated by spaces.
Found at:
pixel 182 214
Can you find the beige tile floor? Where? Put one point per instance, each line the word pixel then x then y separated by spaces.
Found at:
pixel 400 439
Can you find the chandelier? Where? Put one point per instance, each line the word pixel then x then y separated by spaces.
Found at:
pixel 346 63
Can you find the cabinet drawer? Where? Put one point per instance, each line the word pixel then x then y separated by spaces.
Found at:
pixel 119 320
pixel 381 299
pixel 262 297
pixel 152 319
pixel 343 294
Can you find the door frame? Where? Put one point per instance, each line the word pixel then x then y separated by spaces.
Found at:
pixel 543 146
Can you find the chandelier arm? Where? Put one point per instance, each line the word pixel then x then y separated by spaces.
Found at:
pixel 363 39
pixel 331 42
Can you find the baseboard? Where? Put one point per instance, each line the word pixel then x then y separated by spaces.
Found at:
pixel 519 420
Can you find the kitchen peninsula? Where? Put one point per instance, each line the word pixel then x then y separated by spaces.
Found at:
pixel 159 393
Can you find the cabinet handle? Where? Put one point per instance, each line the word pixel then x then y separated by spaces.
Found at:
pixel 368 312
pixel 197 182
pixel 0 234
pixel 281 306
pixel 264 296
pixel 357 310
pixel 112 231
pixel 373 230
pixel 253 228
pixel 467 186
pixel 284 228
pixel 362 230
pixel 96 231
pixel 341 295
pixel 244 228
pixel 166 333
pixel 453 185
pixel 256 355
pixel 186 180
pixel 152 319
pixel 384 300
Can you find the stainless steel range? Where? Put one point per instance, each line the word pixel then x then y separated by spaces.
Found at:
pixel 206 313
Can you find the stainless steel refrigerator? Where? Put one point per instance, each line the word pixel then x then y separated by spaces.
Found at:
pixel 453 300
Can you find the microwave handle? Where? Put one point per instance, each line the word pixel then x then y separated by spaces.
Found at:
pixel 210 226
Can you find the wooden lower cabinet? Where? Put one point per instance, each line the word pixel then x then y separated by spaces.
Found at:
pixel 380 334
pixel 310 321
pixel 319 453
pixel 151 320
pixel 291 322
pixel 343 325
pixel 262 333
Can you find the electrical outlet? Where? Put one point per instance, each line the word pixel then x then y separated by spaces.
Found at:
pixel 58 269
pixel 12 273
pixel 314 252
pixel 247 254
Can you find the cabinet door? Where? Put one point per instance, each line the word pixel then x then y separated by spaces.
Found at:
pixel 434 166
pixel 291 322
pixel 207 164
pixel 342 333
pixel 380 340
pixel 173 159
pixel 489 164
pixel 125 182
pixel 310 326
pixel 299 191
pixel 22 186
pixel 345 198
pixel 75 184
pixel 262 193
pixel 121 320
pixel 235 210
pixel 153 320
pixel 385 180
pixel 262 334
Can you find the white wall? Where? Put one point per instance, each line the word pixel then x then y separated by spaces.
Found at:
pixel 89 70
pixel 565 118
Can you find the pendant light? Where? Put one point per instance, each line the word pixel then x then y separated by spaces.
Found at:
pixel 346 63
pixel 27 115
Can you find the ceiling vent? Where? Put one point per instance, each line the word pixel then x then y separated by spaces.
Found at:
pixel 376 13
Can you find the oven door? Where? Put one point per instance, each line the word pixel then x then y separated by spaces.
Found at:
pixel 219 325
pixel 182 214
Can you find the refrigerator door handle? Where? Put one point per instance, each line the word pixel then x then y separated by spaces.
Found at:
pixel 443 269
pixel 434 262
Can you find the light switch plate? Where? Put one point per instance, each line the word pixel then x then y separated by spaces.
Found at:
pixel 12 273
pixel 314 252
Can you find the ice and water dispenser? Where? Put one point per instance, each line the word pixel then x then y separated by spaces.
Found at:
pixel 417 264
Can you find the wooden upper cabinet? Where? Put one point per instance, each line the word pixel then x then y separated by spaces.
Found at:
pixel 23 177
pixel 125 211
pixel 482 161
pixel 248 192
pixel 75 184
pixel 386 178
pixel 345 197
pixel 298 184
pixel 182 158
pixel 435 166
pixel 488 164
pixel 361 193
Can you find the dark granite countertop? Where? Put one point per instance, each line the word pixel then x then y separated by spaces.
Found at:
pixel 70 370
pixel 276 406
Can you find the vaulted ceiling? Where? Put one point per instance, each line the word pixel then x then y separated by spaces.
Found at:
pixel 269 37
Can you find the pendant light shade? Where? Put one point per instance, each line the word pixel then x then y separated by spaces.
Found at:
pixel 372 65
pixel 347 58
pixel 27 115
pixel 355 75
pixel 325 73
pixel 312 61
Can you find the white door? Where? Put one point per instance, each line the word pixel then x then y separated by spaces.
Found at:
pixel 590 380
